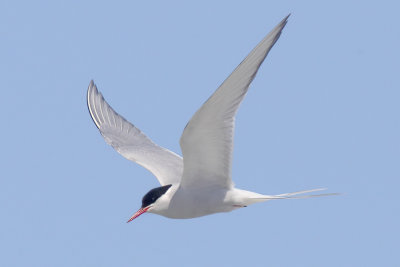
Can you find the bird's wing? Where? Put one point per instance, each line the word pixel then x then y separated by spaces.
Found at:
pixel 207 140
pixel 130 142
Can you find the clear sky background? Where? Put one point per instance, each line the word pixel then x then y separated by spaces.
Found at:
pixel 322 112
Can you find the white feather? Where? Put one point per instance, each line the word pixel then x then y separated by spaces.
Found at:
pixel 131 143
pixel 207 141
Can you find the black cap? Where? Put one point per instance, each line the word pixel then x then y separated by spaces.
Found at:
pixel 154 194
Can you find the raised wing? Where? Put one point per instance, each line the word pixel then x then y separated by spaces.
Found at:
pixel 207 141
pixel 130 142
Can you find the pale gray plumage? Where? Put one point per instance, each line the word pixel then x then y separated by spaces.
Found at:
pixel 131 143
pixel 207 141
pixel 201 183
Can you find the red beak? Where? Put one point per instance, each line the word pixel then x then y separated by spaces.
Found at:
pixel 138 213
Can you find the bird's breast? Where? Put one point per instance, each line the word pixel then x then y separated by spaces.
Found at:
pixel 187 203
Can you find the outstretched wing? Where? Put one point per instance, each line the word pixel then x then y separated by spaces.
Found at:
pixel 207 141
pixel 130 142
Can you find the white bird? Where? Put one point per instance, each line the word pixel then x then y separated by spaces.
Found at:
pixel 199 183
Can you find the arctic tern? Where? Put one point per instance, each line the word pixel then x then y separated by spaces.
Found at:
pixel 199 183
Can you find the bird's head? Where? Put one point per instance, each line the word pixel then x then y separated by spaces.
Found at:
pixel 151 200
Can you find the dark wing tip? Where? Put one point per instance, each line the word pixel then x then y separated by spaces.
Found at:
pixel 285 19
pixel 283 22
pixel 279 29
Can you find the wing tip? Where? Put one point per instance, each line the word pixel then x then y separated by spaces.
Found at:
pixel 285 19
pixel 275 33
pixel 280 26
pixel 92 86
pixel 92 92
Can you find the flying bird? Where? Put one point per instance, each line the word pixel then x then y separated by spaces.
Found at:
pixel 200 182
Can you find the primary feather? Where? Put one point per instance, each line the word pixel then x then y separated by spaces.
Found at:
pixel 207 141
pixel 130 142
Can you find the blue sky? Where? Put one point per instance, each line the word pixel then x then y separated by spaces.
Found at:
pixel 322 112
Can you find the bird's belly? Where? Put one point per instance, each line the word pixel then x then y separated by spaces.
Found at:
pixel 192 204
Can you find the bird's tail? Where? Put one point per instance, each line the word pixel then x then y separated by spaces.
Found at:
pixel 293 195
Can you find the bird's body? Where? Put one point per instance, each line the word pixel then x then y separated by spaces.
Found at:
pixel 199 183
pixel 191 203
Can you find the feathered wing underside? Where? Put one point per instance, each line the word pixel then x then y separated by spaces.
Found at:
pixel 130 142
pixel 207 141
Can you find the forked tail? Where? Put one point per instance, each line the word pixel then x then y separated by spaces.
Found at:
pixel 294 195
